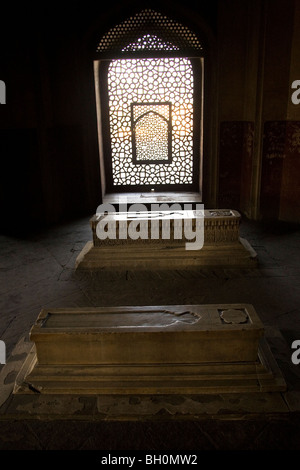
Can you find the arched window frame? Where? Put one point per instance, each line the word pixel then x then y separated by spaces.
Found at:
pixel 116 44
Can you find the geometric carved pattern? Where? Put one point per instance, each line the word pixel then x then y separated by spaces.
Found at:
pixel 161 84
pixel 145 32
pixel 149 42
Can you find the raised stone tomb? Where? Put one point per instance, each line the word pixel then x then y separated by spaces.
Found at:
pixel 149 349
pixel 159 246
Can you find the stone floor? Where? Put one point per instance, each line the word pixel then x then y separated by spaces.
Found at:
pixel 37 271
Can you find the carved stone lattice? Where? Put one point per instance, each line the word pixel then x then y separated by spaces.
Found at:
pixel 150 42
pixel 146 81
pixel 160 29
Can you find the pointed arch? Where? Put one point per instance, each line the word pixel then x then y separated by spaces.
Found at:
pixel 153 32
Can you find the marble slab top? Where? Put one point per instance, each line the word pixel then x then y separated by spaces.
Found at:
pixel 148 318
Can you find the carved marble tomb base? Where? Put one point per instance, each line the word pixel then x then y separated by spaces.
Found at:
pixel 184 349
pixel 223 245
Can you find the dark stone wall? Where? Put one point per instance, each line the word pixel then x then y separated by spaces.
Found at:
pixel 48 134
pixel 235 163
pixel 280 170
